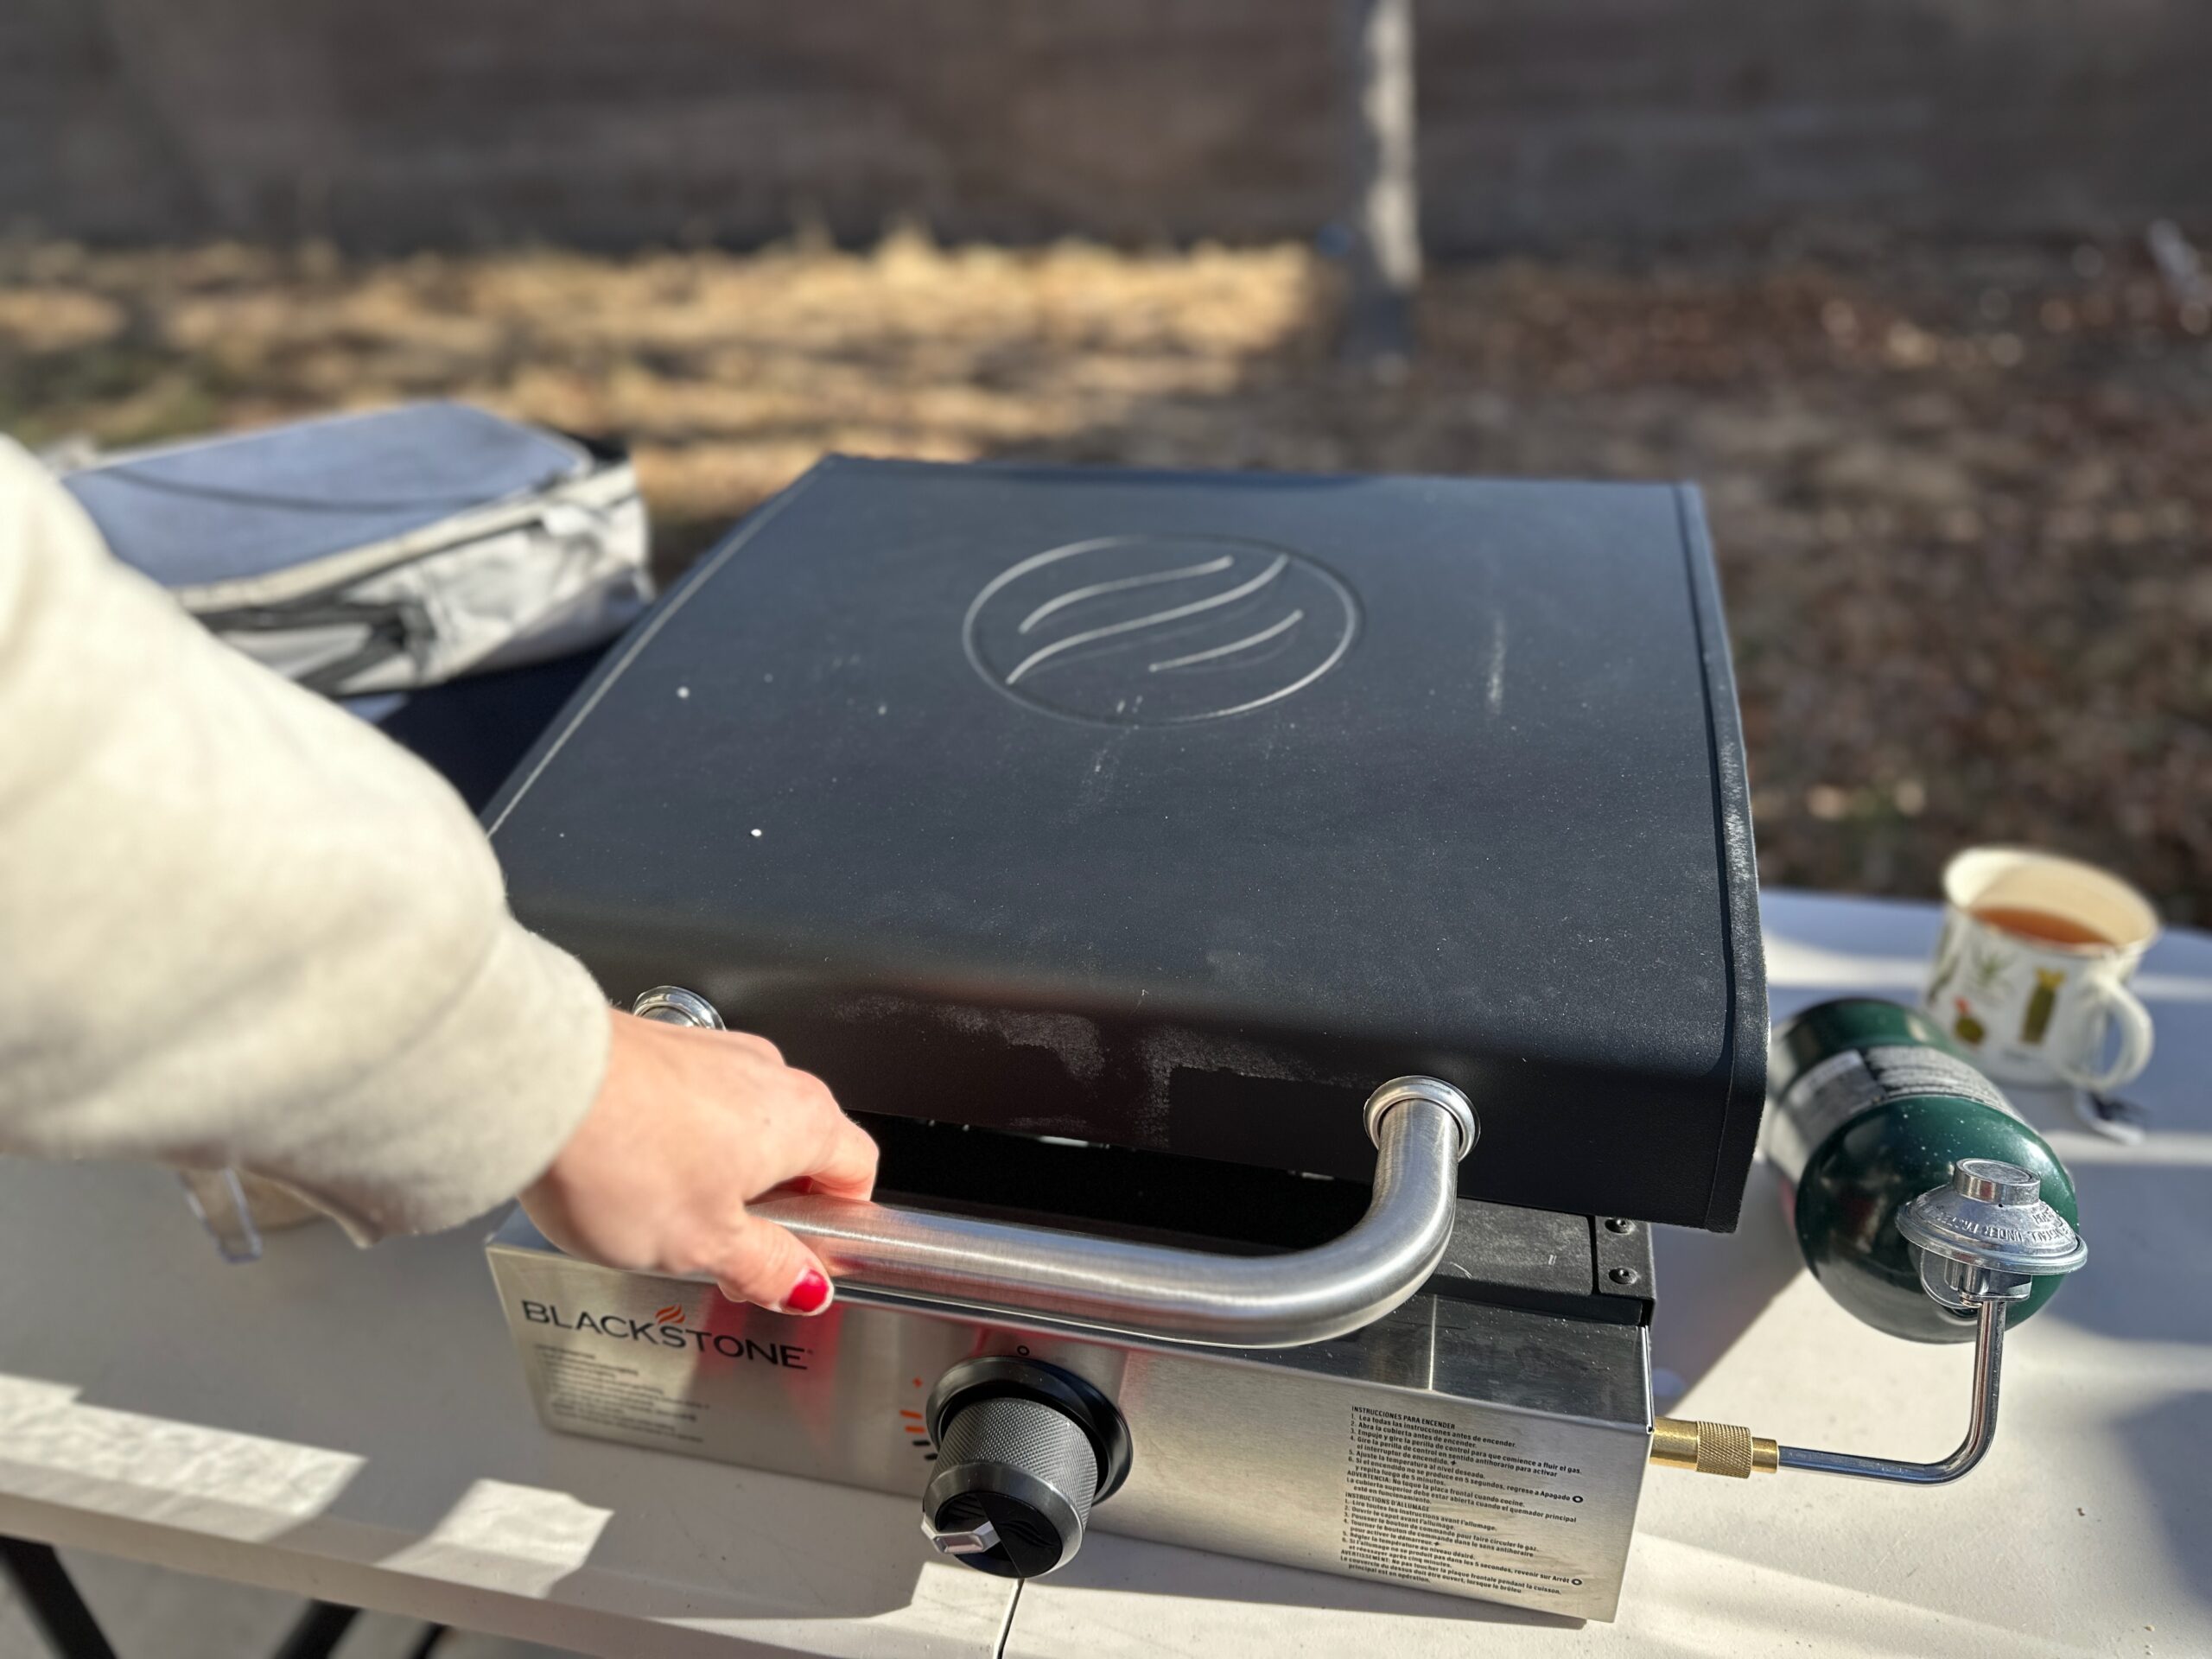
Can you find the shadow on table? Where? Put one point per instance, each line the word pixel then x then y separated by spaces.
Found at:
pixel 2133 1214
pixel 2172 1456
pixel 1711 1286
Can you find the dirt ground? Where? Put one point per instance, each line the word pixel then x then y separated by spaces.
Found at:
pixel 1961 497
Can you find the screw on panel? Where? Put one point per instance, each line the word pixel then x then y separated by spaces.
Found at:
pixel 1619 1225
pixel 1624 1275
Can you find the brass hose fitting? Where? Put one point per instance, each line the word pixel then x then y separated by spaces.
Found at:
pixel 1712 1448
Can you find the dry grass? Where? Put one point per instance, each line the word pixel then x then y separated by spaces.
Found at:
pixel 1961 500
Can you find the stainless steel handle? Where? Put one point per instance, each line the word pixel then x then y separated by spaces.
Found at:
pixel 1147 1290
pixel 1421 1129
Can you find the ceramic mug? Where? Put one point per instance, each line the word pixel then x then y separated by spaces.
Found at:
pixel 2030 972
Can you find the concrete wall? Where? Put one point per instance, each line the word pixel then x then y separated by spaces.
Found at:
pixel 400 122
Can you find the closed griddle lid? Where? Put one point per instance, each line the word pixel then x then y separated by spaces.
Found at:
pixel 1177 812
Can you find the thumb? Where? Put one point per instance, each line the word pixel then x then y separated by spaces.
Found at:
pixel 768 1267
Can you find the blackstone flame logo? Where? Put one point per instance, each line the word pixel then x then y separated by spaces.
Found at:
pixel 1159 630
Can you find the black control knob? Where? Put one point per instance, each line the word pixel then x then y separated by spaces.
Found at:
pixel 1013 1484
pixel 1024 1450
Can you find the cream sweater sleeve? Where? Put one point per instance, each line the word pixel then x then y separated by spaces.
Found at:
pixel 238 926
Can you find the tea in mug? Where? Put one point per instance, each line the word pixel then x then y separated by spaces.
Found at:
pixel 2044 925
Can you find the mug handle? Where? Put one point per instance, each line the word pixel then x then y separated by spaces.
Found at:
pixel 2120 1005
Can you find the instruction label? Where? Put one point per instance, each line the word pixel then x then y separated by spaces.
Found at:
pixel 589 1394
pixel 1431 1501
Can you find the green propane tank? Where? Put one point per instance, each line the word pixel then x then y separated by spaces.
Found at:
pixel 1868 1107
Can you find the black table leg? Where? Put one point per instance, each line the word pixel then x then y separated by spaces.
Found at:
pixel 55 1607
pixel 319 1631
pixel 69 1627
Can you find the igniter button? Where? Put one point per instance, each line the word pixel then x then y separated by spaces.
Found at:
pixel 973 1541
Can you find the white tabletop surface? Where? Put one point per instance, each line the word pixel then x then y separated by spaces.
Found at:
pixel 352 1424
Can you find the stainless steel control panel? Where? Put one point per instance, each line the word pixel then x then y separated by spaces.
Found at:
pixel 1478 1451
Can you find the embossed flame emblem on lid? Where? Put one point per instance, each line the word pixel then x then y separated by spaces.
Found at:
pixel 1158 630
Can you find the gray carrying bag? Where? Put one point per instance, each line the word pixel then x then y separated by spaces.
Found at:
pixel 383 551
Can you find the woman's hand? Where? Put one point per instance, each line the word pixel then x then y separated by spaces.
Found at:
pixel 688 1126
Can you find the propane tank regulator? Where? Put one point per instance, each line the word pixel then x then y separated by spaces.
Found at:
pixel 1921 1202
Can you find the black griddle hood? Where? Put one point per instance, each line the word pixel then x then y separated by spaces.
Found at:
pixel 1177 812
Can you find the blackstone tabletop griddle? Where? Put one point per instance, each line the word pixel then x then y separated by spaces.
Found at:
pixel 1290 937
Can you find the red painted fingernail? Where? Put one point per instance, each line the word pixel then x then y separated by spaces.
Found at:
pixel 809 1295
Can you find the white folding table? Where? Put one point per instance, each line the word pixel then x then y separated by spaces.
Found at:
pixel 352 1426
